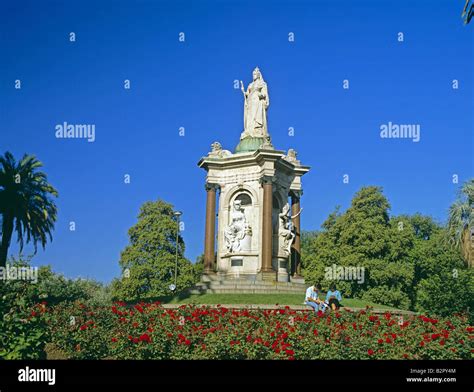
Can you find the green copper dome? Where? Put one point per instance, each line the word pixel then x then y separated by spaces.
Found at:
pixel 249 144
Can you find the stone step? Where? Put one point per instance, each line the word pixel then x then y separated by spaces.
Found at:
pixel 253 282
pixel 250 290
pixel 250 286
pixel 242 278
pixel 243 290
pixel 227 285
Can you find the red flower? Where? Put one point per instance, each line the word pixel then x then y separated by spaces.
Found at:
pixel 442 342
pixel 83 327
pixel 422 343
pixel 187 342
pixel 370 351
pixel 33 313
pixel 315 332
pixel 290 352
pixel 114 340
pixel 380 341
pixel 373 318
pixel 145 338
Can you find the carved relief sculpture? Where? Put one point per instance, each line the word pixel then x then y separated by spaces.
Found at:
pixel 286 230
pixel 238 232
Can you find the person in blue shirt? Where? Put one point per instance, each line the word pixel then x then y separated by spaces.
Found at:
pixel 333 297
pixel 312 297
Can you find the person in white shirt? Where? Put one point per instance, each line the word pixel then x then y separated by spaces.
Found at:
pixel 312 297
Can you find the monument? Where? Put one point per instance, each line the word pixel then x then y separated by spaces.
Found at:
pixel 256 193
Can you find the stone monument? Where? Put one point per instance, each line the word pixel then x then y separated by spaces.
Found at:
pixel 257 191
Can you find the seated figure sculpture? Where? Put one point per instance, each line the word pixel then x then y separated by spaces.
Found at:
pixel 237 230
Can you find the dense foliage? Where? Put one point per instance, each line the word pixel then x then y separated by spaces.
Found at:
pixel 148 262
pixel 407 261
pixel 23 318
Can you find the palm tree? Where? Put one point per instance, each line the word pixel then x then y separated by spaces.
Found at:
pixel 26 206
pixel 461 221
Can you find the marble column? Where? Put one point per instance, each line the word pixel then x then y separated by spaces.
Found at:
pixel 267 232
pixel 296 247
pixel 210 230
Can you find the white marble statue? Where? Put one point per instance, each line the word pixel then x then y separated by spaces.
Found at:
pixel 255 107
pixel 238 231
pixel 218 152
pixel 291 156
pixel 286 230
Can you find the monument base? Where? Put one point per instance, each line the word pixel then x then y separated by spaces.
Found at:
pixel 270 276
pixel 262 283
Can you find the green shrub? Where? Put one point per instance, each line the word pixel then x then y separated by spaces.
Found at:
pixel 447 293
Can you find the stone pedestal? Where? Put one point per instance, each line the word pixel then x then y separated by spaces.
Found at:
pixel 252 239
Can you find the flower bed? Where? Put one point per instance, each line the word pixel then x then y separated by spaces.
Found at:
pixel 148 331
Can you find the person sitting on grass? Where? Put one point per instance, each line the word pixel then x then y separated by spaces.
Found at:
pixel 333 297
pixel 312 298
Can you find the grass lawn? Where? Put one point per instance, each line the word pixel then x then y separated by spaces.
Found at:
pixel 247 299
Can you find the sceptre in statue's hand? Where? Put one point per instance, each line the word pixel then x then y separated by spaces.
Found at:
pixel 299 212
pixel 243 91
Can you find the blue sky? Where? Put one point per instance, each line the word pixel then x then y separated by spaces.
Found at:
pixel 190 84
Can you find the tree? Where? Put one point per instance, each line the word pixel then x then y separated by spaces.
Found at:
pixel 461 221
pixel 148 262
pixel 366 238
pixel 26 205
